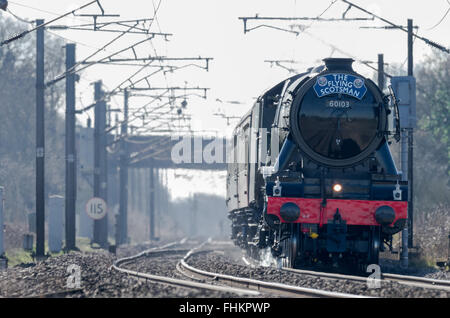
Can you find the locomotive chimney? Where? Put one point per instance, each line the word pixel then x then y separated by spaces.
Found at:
pixel 339 64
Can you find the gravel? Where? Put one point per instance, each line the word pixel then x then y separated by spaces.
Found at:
pixel 129 250
pixel 439 275
pixel 97 280
pixel 159 264
pixel 393 267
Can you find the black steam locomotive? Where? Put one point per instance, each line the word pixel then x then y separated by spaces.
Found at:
pixel 311 175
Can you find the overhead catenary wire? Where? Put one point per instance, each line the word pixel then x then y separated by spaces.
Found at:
pixel 52 33
pixel 70 40
pixel 24 33
pixel 56 34
pixel 142 112
pixel 109 58
pixel 155 15
pixel 119 88
pixel 50 51
pixel 44 11
pixel 64 75
pixel 18 18
pixel 442 19
pixel 77 42
pixel 70 71
pixel 400 27
pixel 334 47
pixel 351 5
pixel 337 49
pixel 321 14
pixel 132 83
pixel 294 18
pixel 279 64
pixel 160 62
pixel 99 26
pixel 123 32
pixel 137 118
pixel 63 37
pixel 137 114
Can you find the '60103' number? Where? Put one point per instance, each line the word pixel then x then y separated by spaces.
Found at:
pixel 338 103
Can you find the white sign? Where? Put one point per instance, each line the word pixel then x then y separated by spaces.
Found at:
pixel 96 208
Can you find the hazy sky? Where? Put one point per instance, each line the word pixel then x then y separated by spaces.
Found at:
pixel 211 28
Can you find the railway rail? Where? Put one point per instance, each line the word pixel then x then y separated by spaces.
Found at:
pixel 409 280
pixel 415 281
pixel 197 278
pixel 253 284
pixel 419 281
pixel 173 281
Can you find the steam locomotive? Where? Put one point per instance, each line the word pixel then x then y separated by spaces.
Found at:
pixel 311 175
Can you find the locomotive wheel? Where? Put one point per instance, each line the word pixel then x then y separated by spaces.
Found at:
pixel 291 247
pixel 374 245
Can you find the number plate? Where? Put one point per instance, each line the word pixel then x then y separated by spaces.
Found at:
pixel 338 104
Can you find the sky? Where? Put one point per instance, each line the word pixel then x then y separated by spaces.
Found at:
pixel 238 73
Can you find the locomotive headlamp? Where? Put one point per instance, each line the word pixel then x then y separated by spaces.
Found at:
pixel 337 187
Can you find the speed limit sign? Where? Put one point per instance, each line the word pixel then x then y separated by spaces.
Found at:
pixel 96 208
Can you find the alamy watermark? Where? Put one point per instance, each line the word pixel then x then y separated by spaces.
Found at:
pixel 374 279
pixel 74 279
pixel 202 150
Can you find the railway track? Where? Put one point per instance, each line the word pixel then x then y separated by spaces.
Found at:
pixel 409 280
pixel 197 278
pixel 418 281
pixel 173 281
pixel 414 281
pixel 253 284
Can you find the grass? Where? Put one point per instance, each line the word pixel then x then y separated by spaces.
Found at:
pixel 84 245
pixel 18 256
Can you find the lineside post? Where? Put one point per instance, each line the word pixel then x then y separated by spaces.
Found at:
pixel 123 183
pixel 100 160
pixel 2 249
pixel 40 143
pixel 3 259
pixel 152 203
pixel 71 157
pixel 410 144
pixel 381 71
